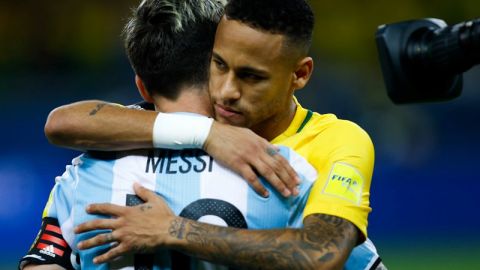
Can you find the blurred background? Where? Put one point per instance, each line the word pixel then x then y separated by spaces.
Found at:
pixel 425 186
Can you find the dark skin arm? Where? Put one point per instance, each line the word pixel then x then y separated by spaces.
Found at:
pixel 324 242
pixel 97 125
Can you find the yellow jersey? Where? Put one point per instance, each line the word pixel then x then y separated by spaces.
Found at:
pixel 343 155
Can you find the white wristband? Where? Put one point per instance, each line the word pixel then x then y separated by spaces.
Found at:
pixel 180 131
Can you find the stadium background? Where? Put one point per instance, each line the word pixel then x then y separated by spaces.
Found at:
pixel 426 182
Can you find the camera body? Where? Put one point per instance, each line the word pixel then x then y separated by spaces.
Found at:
pixel 423 60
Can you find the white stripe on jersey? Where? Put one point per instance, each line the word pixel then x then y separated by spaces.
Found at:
pixel 126 171
pixel 368 243
pixel 223 184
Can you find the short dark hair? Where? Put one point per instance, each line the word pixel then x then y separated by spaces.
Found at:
pixel 292 18
pixel 169 42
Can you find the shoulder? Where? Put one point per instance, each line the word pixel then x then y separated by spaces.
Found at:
pixel 327 128
pixel 350 130
pixel 299 163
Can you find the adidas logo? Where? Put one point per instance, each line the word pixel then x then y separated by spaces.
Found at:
pixel 48 250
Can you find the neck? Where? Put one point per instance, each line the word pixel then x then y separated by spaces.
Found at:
pixel 277 124
pixel 191 99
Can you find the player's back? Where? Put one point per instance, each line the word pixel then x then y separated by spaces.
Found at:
pixel 193 185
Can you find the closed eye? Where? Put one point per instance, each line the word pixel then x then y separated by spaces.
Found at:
pixel 218 62
pixel 250 76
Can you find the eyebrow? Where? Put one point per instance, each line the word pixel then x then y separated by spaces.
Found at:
pixel 215 55
pixel 245 69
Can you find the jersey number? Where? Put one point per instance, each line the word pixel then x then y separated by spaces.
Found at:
pixel 196 210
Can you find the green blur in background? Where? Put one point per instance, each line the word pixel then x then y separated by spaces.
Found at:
pixel 64 37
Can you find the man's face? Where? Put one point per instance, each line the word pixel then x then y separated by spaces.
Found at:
pixel 251 78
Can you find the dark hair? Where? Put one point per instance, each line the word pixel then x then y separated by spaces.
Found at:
pixel 169 43
pixel 292 18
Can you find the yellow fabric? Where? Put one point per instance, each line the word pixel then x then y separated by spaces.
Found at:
pixel 46 210
pixel 343 155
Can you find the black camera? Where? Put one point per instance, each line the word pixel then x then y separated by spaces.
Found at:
pixel 423 60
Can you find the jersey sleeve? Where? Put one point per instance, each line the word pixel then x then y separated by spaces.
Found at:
pixel 49 247
pixel 343 185
pixel 55 237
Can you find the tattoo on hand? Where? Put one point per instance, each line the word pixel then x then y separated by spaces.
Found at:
pixel 145 207
pixel 97 109
pixel 271 151
pixel 108 237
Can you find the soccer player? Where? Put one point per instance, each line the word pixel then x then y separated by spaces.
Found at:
pixel 264 61
pixel 191 180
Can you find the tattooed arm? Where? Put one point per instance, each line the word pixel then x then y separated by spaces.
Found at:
pixel 97 125
pixel 324 243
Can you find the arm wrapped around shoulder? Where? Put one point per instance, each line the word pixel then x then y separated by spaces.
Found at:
pixel 180 131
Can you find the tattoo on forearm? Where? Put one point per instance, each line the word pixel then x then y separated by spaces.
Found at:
pixel 327 232
pixel 196 233
pixel 177 228
pixel 97 108
pixel 319 242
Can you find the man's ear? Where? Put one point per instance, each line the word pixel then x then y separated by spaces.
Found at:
pixel 303 73
pixel 143 90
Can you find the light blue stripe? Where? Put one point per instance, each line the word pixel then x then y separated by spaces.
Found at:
pixel 360 258
pixel 271 212
pixel 179 189
pixel 63 192
pixel 267 213
pixel 94 186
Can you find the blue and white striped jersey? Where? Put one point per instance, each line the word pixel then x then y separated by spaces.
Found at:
pixel 193 185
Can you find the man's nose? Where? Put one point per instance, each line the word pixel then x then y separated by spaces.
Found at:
pixel 230 90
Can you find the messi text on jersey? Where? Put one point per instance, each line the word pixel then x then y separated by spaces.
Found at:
pixel 166 161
